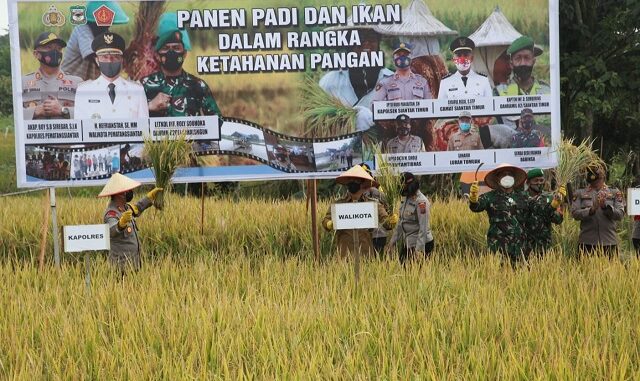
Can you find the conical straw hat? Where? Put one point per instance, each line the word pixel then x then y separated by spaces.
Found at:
pixel 117 184
pixel 357 172
pixel 492 179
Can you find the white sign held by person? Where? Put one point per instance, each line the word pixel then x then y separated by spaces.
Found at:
pixel 633 201
pixel 86 238
pixel 357 215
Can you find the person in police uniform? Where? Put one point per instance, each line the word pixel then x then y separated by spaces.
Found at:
pixel 465 139
pixel 120 215
pixel 598 208
pixel 522 58
pixel 528 135
pixel 357 181
pixel 413 230
pixel 403 84
pixel 110 96
pixel 464 83
pixel 404 142
pixel 172 91
pixel 48 93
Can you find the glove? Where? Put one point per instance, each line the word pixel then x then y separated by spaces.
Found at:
pixel 558 197
pixel 328 225
pixel 473 192
pixel 392 221
pixel 134 207
pixel 125 218
pixel 153 193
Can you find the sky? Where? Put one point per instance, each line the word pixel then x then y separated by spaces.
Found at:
pixel 4 18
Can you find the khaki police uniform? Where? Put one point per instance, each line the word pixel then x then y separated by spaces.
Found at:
pixel 413 144
pixel 125 244
pixel 37 88
pixel 453 87
pixel 93 101
pixel 399 87
pixel 463 141
pixel 598 228
pixel 413 228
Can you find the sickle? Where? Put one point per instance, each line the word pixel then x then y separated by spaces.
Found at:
pixel 477 169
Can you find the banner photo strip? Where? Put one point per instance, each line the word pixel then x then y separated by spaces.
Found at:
pixel 301 89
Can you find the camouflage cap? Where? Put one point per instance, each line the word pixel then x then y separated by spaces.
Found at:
pixel 403 118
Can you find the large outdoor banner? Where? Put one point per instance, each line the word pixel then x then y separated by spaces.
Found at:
pixel 282 89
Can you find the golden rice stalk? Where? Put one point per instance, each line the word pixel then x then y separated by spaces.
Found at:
pixel 165 156
pixel 573 160
pixel 389 178
pixel 324 115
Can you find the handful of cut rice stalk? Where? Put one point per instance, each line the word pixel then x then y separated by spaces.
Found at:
pixel 324 114
pixel 573 160
pixel 166 155
pixel 389 178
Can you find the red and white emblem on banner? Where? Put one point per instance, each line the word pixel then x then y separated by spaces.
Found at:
pixel 104 16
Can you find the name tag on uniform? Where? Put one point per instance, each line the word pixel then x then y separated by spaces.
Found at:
pixel 94 100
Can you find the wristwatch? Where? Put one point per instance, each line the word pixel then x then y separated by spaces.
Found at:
pixel 65 113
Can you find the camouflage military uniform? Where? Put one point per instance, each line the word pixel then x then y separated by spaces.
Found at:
pixel 511 88
pixel 363 236
pixel 190 96
pixel 37 88
pixel 522 139
pixel 538 223
pixel 507 214
pixel 125 245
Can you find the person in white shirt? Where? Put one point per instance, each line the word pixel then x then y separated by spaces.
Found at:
pixel 464 83
pixel 110 96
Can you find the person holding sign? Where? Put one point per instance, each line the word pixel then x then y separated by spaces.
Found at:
pixel 598 208
pixel 172 91
pixel 507 209
pixel 413 230
pixel 357 181
pixel 545 210
pixel 464 83
pixel 404 84
pixel 404 142
pixel 522 57
pixel 529 136
pixel 120 216
pixel 48 93
pixel 466 139
pixel 110 96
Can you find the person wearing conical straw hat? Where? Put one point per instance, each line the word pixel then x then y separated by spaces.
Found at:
pixel 357 181
pixel 507 208
pixel 120 216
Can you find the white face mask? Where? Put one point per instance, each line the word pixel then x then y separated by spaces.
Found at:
pixel 507 182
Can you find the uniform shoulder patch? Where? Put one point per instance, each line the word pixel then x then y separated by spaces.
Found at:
pixel 111 214
pixel 481 74
pixel 448 75
pixel 378 86
pixel 423 207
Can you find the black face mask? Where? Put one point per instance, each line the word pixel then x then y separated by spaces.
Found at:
pixel 402 131
pixel 410 189
pixel 172 60
pixel 535 187
pixel 128 196
pixel 523 71
pixel 110 69
pixel 353 187
pixel 51 58
pixel 527 125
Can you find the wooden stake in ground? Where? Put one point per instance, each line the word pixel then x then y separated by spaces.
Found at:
pixel 314 218
pixel 201 208
pixel 43 230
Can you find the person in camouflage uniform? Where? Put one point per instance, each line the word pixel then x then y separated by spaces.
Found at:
pixel 507 209
pixel 528 135
pixel 172 91
pixel 545 210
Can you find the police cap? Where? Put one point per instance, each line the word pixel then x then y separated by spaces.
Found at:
pixel 45 38
pixel 526 111
pixel 403 118
pixel 108 41
pixel 462 43
pixel 402 46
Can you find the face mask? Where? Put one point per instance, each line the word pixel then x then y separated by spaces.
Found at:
pixel 402 62
pixel 462 64
pixel 128 196
pixel 527 124
pixel 172 60
pixel 535 187
pixel 465 127
pixel 402 131
pixel 507 182
pixel 410 189
pixel 51 58
pixel 110 69
pixel 353 187
pixel 523 72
